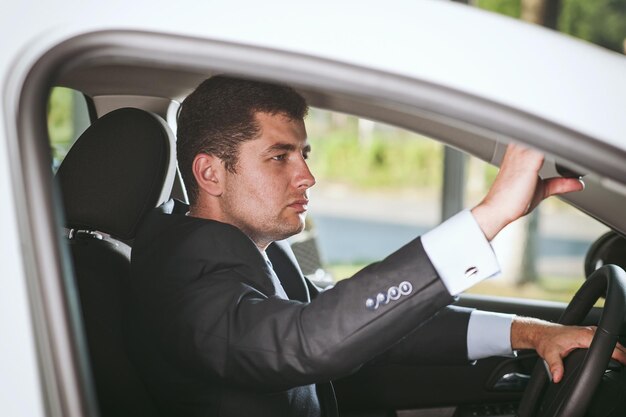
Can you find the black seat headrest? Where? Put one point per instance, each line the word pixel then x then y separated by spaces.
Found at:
pixel 121 167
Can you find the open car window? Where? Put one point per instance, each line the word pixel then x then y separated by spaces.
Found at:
pixel 379 186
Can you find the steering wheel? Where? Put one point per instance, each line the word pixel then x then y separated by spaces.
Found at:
pixel 583 367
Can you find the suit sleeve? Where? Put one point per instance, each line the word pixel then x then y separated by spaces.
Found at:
pixel 221 319
pixel 442 340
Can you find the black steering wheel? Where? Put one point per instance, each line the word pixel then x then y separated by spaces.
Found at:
pixel 584 367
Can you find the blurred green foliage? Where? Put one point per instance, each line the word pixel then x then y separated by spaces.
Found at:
pixel 60 122
pixel 510 8
pixel 602 22
pixel 389 158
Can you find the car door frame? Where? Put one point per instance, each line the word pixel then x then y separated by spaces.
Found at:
pixel 450 115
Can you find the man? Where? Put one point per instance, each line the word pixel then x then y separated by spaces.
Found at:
pixel 215 331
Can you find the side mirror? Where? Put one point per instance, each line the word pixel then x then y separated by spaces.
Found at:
pixel 610 248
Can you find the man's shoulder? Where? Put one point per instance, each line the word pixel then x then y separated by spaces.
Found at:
pixel 172 244
pixel 170 225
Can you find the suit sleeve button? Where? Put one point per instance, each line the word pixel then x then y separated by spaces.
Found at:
pixel 406 287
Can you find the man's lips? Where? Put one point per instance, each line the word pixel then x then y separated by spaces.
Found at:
pixel 300 205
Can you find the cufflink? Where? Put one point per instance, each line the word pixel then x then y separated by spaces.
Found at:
pixel 471 271
pixel 392 294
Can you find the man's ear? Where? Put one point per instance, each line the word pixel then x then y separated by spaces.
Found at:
pixel 209 172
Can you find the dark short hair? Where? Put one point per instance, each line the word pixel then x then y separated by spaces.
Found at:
pixel 220 114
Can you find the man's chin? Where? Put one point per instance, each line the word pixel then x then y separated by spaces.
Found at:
pixel 290 231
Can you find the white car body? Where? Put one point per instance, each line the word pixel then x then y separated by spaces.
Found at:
pixel 463 76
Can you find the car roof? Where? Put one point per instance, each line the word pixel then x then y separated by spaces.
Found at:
pixel 490 56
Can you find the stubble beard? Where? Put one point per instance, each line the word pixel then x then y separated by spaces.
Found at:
pixel 273 230
pixel 262 231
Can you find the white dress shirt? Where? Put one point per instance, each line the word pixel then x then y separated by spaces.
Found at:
pixel 463 257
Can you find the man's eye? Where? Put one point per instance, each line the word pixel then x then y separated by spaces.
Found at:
pixel 280 157
pixel 305 155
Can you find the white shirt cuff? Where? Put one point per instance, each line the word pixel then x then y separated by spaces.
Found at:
pixel 460 253
pixel 489 334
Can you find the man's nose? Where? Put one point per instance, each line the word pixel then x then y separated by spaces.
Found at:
pixel 304 177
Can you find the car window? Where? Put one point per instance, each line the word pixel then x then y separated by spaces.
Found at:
pixel 68 117
pixel 378 187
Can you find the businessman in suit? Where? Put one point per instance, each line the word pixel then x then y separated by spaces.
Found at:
pixel 217 329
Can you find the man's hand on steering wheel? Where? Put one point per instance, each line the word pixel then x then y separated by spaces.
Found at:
pixel 553 342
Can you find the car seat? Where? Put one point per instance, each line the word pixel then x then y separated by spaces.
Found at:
pixel 121 167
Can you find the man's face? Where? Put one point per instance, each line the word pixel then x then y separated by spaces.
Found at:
pixel 267 197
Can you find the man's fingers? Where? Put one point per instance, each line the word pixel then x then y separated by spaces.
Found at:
pixel 556 186
pixel 555 365
pixel 554 342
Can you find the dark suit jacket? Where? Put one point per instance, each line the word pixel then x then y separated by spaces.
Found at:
pixel 211 336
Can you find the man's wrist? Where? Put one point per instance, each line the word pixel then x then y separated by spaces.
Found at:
pixel 489 220
pixel 526 332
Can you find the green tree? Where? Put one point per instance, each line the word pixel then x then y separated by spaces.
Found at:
pixel 60 122
pixel 506 7
pixel 602 22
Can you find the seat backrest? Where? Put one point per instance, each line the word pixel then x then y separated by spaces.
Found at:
pixel 121 167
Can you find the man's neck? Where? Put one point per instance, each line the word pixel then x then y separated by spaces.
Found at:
pixel 206 213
